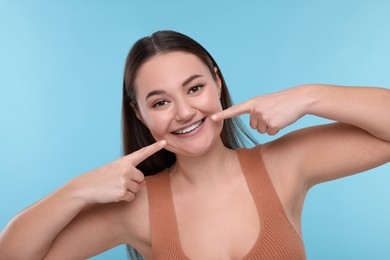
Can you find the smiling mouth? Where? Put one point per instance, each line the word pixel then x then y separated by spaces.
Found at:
pixel 190 128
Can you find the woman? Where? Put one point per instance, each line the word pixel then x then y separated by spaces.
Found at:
pixel 204 197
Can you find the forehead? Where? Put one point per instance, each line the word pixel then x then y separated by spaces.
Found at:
pixel 169 69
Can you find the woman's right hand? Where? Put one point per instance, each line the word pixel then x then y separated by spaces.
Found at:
pixel 117 181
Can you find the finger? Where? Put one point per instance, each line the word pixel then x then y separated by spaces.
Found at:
pixel 143 153
pixel 137 176
pixel 232 111
pixel 272 131
pixel 133 187
pixel 128 196
pixel 262 128
pixel 253 122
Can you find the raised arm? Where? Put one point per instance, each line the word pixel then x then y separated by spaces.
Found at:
pixel 365 107
pixel 81 218
pixel 296 161
pixel 359 142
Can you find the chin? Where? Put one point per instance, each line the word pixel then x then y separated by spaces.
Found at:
pixel 194 151
pixel 196 147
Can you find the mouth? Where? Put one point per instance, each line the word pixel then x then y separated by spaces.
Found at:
pixel 190 128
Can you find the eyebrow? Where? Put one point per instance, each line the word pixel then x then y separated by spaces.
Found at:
pixel 154 92
pixel 188 81
pixel 160 91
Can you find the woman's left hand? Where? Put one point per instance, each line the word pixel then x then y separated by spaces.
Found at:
pixel 270 113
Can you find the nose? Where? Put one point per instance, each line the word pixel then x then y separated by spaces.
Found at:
pixel 184 111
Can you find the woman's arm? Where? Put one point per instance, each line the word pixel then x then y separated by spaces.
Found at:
pixel 361 141
pixel 70 214
pixel 31 232
pixel 59 226
pixel 365 107
pixel 104 226
pixel 303 158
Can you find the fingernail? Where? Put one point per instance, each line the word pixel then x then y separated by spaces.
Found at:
pixel 214 117
pixel 162 142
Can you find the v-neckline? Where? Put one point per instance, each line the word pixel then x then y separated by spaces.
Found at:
pixel 260 212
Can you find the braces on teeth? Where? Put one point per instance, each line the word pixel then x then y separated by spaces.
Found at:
pixel 189 128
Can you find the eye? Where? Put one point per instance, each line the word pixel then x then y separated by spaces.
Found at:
pixel 195 88
pixel 159 103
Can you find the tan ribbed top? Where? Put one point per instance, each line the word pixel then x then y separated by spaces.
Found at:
pixel 277 239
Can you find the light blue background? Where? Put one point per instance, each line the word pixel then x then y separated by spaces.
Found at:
pixel 61 65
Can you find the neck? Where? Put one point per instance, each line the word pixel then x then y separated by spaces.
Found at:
pixel 207 168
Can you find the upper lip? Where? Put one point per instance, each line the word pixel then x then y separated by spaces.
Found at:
pixel 190 124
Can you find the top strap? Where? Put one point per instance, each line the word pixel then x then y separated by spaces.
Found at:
pixel 165 234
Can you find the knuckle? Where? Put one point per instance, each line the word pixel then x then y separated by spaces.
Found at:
pixel 136 188
pixel 122 193
pixel 222 114
pixel 116 163
pixel 121 160
pixel 124 175
pixel 257 110
pixel 138 176
pixel 267 118
pixel 124 182
pixel 272 124
pixel 131 186
pixel 234 109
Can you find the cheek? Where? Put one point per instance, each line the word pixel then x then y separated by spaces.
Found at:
pixel 212 104
pixel 158 123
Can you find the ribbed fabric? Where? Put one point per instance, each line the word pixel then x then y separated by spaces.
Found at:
pixel 165 235
pixel 277 239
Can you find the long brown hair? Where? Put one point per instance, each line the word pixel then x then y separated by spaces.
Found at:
pixel 135 134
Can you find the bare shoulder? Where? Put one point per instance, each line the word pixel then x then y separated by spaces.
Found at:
pixel 297 161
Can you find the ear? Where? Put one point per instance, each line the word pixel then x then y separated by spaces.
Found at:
pixel 136 111
pixel 218 81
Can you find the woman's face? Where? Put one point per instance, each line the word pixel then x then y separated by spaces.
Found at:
pixel 176 95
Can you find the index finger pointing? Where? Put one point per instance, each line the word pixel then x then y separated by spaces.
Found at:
pixel 231 112
pixel 143 153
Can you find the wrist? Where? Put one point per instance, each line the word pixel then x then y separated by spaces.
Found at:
pixel 311 97
pixel 74 192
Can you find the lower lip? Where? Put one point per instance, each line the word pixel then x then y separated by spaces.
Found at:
pixel 194 132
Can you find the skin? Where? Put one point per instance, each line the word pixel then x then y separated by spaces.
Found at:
pixel 108 206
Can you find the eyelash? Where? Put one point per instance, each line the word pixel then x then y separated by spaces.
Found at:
pixel 159 103
pixel 197 87
pixel 162 102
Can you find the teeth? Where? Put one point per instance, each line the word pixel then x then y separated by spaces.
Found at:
pixel 189 128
